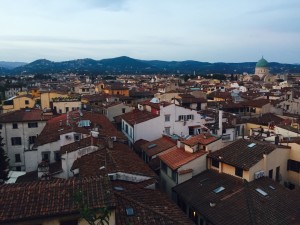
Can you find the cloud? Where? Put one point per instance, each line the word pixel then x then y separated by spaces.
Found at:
pixel 59 40
pixel 114 5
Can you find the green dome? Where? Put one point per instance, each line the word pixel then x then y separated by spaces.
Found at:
pixel 262 63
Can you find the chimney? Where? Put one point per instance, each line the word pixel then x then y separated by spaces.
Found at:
pixel 220 131
pixel 43 171
pixel 110 143
pixel 277 140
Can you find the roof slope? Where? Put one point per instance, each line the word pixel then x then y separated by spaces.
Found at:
pixel 52 198
pixel 118 159
pixel 240 203
pixel 150 207
pixel 137 116
pixel 59 125
pixel 24 115
pixel 241 155
pixel 176 157
pixel 157 146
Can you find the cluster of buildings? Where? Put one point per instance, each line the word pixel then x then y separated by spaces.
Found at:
pixel 153 150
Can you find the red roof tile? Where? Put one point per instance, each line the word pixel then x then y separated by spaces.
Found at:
pixel 32 200
pixel 118 159
pixel 58 125
pixel 24 115
pixel 203 139
pixel 137 116
pixel 177 157
pixel 159 145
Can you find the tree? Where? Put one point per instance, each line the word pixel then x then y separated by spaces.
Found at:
pixel 93 217
pixel 4 163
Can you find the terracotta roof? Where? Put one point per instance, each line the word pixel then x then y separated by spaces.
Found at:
pixel 33 176
pixel 241 155
pixel 265 119
pixel 176 157
pixel 155 105
pixel 157 146
pixel 137 116
pixel 256 103
pixel 137 145
pixel 203 139
pixel 239 202
pixel 32 200
pixel 150 207
pixel 58 125
pixel 85 142
pixel 118 159
pixel 24 115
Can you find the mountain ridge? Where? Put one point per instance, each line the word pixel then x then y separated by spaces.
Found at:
pixel 128 65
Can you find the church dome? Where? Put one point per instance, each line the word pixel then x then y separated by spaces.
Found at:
pixel 262 63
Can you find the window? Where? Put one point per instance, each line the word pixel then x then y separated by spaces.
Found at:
pixel 126 128
pixel 164 167
pixel 185 117
pixel 193 215
pixel 15 126
pixel 174 176
pixel 271 174
pixel 123 110
pixel 32 124
pixel 69 222
pixel 167 130
pixel 0 126
pixel 18 168
pixel 277 175
pixel 17 158
pixel 16 141
pixel 238 171
pixel 167 118
pixel 46 156
pixel 190 117
pixel 57 156
pixel 26 102
pixel 67 109
pixel 293 165
pixel 215 163
pixel 76 137
pixel 32 139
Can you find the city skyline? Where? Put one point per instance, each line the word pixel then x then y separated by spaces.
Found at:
pixel 164 30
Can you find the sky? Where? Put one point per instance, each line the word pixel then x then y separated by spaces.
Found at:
pixel 201 30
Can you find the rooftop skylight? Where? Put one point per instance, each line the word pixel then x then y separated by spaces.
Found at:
pixel 251 145
pixel 84 123
pixel 129 211
pixel 272 187
pixel 219 189
pixel 152 145
pixel 261 192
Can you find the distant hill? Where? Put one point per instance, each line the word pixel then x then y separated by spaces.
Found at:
pixel 127 65
pixel 11 65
